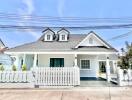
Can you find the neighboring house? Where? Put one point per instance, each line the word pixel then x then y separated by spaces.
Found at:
pixel 5 59
pixel 89 52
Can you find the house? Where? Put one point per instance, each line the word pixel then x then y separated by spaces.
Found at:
pixel 4 58
pixel 60 49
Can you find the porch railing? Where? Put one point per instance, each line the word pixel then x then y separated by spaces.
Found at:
pixel 15 76
pixel 61 76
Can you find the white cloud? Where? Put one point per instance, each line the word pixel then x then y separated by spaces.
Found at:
pixel 61 4
pixel 29 4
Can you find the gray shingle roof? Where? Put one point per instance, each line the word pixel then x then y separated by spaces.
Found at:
pixel 53 46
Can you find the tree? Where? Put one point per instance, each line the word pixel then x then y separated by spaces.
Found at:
pixel 126 60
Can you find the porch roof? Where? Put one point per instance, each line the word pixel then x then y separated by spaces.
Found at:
pixel 54 46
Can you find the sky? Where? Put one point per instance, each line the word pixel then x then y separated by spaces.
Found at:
pixel 65 8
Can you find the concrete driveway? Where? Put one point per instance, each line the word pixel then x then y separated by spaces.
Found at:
pixel 85 93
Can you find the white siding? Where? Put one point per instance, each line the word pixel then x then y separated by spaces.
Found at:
pixel 92 72
pixel 44 60
pixel 96 42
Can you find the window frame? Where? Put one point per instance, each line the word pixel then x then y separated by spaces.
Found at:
pixel 63 64
pixel 48 37
pixel 85 68
pixel 91 40
pixel 63 37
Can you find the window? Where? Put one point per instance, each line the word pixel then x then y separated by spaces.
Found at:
pixel 90 41
pixel 85 64
pixel 48 37
pixel 63 37
pixel 56 62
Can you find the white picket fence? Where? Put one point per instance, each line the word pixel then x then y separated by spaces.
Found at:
pixel 43 76
pixel 124 78
pixel 62 76
pixel 15 76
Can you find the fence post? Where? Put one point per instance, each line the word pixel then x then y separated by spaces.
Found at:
pixel 120 76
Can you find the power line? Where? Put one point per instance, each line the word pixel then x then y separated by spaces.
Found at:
pixel 121 36
pixel 83 27
pixel 62 19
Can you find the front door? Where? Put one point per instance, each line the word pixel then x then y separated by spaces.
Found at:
pixel 56 62
pixel 102 67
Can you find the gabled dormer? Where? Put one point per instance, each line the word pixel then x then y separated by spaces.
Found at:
pixel 63 34
pixel 48 35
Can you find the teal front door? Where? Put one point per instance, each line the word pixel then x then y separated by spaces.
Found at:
pixel 56 62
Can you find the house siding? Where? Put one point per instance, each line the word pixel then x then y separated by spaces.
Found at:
pixel 44 60
pixel 93 71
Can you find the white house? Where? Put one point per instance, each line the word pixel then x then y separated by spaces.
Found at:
pixel 89 52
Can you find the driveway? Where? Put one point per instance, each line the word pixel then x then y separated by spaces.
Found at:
pixel 84 93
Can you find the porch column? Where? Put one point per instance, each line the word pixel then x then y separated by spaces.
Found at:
pixel 75 61
pixel 108 70
pixel 114 66
pixel 24 59
pixel 35 61
pixel 16 62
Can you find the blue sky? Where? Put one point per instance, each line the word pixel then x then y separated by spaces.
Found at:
pixel 65 8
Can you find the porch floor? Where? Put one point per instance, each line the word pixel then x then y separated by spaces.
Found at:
pixel 96 83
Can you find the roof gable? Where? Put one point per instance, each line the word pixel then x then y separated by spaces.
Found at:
pixel 93 39
pixel 63 31
pixel 1 44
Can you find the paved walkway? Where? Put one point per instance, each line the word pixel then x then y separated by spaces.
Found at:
pixel 96 83
pixel 84 93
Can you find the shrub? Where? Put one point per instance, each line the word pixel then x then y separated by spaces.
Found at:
pixel 2 68
pixel 24 67
pixel 14 68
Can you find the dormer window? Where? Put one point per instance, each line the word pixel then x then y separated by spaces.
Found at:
pixel 48 35
pixel 63 34
pixel 63 37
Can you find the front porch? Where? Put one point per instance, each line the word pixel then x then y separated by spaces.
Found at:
pixel 90 65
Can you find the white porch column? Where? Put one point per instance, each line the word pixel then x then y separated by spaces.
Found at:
pixel 24 59
pixel 75 61
pixel 35 61
pixel 108 70
pixel 16 62
pixel 114 66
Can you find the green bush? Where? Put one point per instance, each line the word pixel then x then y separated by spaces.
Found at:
pixel 2 68
pixel 14 68
pixel 24 67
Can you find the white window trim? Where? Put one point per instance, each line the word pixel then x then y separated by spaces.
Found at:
pixel 51 37
pixel 81 66
pixel 60 37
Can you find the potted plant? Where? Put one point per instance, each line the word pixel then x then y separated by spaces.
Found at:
pixel 14 68
pixel 2 68
pixel 24 67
